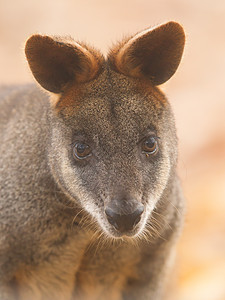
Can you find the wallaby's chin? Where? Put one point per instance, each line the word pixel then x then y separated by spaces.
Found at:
pixel 113 233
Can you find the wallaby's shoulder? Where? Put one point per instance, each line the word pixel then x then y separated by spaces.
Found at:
pixel 15 99
pixel 17 93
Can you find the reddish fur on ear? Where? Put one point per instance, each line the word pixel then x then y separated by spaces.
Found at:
pixel 55 62
pixel 154 53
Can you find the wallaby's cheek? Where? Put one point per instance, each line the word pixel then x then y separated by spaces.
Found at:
pixel 161 176
pixel 78 182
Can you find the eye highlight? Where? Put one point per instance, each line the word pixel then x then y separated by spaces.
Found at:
pixel 149 145
pixel 81 150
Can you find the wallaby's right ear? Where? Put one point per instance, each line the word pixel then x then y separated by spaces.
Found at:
pixel 56 62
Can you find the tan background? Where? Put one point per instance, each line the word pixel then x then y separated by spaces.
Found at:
pixel 196 93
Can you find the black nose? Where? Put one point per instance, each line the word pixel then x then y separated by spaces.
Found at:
pixel 124 222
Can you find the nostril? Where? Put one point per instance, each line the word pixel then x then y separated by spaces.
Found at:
pixel 139 211
pixel 109 212
pixel 137 215
pixel 137 220
pixel 112 217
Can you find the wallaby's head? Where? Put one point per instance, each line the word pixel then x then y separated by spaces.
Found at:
pixel 113 143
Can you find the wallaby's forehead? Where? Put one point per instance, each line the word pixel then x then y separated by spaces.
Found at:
pixel 116 104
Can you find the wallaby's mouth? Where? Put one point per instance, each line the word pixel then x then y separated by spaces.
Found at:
pixel 118 234
pixel 124 232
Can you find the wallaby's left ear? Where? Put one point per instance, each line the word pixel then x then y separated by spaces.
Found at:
pixel 154 53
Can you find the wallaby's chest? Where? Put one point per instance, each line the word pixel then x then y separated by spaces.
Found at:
pixel 79 269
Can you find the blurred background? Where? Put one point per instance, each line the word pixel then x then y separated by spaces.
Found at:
pixel 196 92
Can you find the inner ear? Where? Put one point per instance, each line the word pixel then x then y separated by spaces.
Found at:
pixel 154 53
pixel 55 62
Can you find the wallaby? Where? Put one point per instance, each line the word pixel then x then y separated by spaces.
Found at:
pixel 90 203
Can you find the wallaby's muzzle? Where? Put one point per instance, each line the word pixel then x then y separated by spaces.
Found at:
pixel 124 220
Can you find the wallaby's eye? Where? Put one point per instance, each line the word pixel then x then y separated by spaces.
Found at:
pixel 150 145
pixel 81 151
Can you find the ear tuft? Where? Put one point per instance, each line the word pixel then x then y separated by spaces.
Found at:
pixel 154 53
pixel 55 62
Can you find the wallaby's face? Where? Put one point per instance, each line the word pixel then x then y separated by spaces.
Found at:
pixel 113 143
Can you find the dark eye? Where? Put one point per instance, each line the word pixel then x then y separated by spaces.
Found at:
pixel 81 151
pixel 150 145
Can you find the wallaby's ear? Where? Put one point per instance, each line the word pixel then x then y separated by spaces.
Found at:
pixel 55 62
pixel 154 53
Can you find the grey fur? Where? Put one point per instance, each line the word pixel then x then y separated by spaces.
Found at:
pixel 55 241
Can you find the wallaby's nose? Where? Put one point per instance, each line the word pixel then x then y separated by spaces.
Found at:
pixel 124 222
